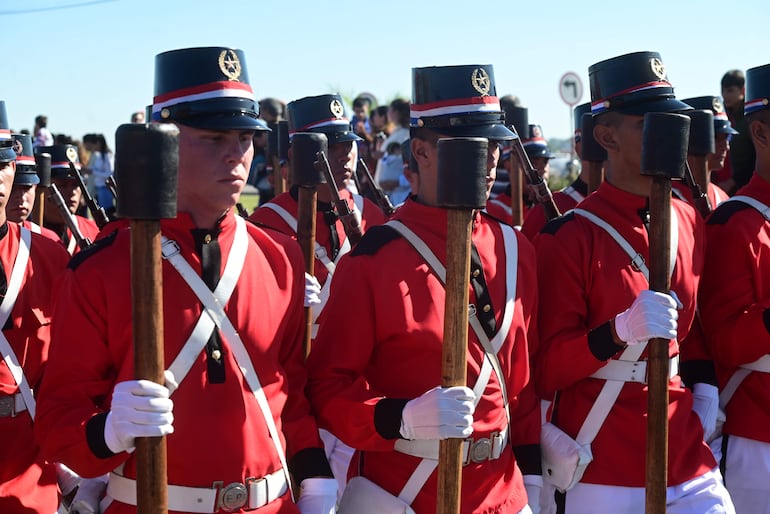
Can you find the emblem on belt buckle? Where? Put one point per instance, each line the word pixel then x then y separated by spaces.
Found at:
pixel 7 407
pixel 481 450
pixel 233 496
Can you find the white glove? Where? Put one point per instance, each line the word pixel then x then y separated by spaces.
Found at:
pixel 440 413
pixel 318 496
pixel 89 495
pixel 705 403
pixel 140 408
pixel 312 290
pixel 68 480
pixel 652 315
pixel 534 486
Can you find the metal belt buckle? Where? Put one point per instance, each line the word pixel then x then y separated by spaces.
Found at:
pixel 481 450
pixel 7 406
pixel 231 497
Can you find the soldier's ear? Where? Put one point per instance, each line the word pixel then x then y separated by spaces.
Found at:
pixel 420 149
pixel 605 136
pixel 760 133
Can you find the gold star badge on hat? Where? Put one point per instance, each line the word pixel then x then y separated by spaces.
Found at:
pixel 336 108
pixel 229 64
pixel 72 154
pixel 657 67
pixel 480 81
pixel 716 104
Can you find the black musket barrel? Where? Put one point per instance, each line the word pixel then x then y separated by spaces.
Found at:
pixel 147 159
pixel 282 140
pixel 517 118
pixel 43 165
pixel 664 156
pixel 462 188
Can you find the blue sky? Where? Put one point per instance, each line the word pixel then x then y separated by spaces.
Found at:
pixel 89 67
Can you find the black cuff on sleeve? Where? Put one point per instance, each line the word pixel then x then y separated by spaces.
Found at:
pixel 601 343
pixel 528 459
pixel 308 463
pixel 698 372
pixel 766 319
pixel 95 436
pixel 387 417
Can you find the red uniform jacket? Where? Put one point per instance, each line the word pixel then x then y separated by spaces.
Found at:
pixel 220 433
pixel 716 194
pixel 370 215
pixel 46 232
pixel 565 200
pixel 734 295
pixel 500 208
pixel 586 279
pixel 27 481
pixel 381 339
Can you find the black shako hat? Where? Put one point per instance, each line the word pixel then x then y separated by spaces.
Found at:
pixel 757 89
pixel 577 119
pixel 458 101
pixel 26 168
pixel 7 154
pixel 717 108
pixel 205 88
pixel 632 84
pixel 60 167
pixel 324 114
pixel 535 145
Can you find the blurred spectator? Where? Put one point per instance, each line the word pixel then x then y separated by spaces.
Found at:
pixel 101 165
pixel 271 109
pixel 741 155
pixel 43 136
pixel 137 117
pixel 398 114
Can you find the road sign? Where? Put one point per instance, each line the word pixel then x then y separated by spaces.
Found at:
pixel 571 88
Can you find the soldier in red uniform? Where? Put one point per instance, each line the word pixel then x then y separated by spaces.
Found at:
pixel 733 302
pixel 375 365
pixel 233 407
pixel 68 187
pixel 25 181
pixel 568 197
pixel 30 266
pixel 597 314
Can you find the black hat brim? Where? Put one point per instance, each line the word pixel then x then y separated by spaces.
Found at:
pixel 26 179
pixel 496 131
pixel 340 136
pixel 538 151
pixel 225 121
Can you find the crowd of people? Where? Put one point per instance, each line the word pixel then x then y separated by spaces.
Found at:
pixel 297 391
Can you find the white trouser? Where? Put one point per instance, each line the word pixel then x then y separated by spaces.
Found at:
pixel 338 454
pixel 747 475
pixel 702 495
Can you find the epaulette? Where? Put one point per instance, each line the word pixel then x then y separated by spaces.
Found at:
pixel 98 245
pixel 555 224
pixel 725 211
pixel 375 238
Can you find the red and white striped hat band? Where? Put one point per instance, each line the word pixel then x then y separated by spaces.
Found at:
pixel 477 104
pixel 62 165
pixel 755 105
pixel 338 122
pixel 720 116
pixel 535 141
pixel 5 135
pixel 212 90
pixel 602 105
pixel 25 160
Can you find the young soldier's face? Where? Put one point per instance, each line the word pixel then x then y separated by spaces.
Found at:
pixel 213 167
pixel 7 172
pixel 20 202
pixel 716 160
pixel 342 161
pixel 732 95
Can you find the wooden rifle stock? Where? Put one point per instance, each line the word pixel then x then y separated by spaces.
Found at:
pixel 517 199
pixel 55 196
pixel 348 218
pixel 96 210
pixel 382 199
pixel 542 193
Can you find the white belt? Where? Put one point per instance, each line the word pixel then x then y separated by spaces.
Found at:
pixel 11 405
pixel 762 364
pixel 474 450
pixel 632 371
pixel 252 494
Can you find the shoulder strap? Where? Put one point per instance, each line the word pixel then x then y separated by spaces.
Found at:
pixel 215 310
pixel 573 193
pixel 505 206
pixel 763 209
pixel 14 286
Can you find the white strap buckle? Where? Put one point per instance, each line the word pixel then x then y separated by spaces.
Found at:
pixel 169 248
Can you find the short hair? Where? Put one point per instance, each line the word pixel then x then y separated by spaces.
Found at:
pixel 381 110
pixel 361 101
pixel 733 78
pixel 272 106
pixel 508 101
pixel 401 108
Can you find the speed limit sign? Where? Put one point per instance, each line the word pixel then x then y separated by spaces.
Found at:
pixel 571 88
